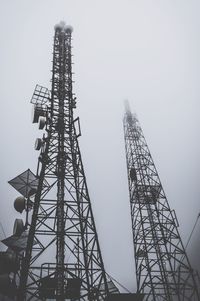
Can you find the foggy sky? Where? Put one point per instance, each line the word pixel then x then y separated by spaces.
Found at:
pixel 144 51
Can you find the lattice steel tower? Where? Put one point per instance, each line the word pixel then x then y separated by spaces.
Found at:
pixel 62 260
pixel 163 271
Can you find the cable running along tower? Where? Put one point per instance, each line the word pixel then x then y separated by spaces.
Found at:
pixel 62 259
pixel 163 271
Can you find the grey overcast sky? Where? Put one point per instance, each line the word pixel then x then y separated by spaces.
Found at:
pixel 146 51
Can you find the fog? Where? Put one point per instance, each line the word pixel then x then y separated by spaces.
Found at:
pixel 146 51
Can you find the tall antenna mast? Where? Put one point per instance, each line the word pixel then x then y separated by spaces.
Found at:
pixel 163 270
pixel 62 259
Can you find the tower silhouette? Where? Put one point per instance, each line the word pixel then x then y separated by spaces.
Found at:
pixel 62 259
pixel 163 270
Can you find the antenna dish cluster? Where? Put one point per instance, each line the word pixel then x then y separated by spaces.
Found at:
pixel 38 111
pixel 40 117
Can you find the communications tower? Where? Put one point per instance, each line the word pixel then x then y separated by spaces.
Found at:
pixel 62 258
pixel 163 271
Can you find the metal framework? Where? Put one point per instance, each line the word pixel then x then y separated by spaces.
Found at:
pixel 163 271
pixel 62 258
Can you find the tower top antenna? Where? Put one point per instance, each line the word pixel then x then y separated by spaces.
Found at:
pixel 127 106
pixel 63 27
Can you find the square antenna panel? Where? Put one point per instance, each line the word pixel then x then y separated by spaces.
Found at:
pixel 41 95
pixel 26 183
pixel 17 243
